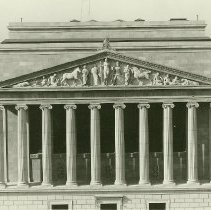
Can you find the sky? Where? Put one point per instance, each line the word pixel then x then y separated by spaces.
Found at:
pixel 103 10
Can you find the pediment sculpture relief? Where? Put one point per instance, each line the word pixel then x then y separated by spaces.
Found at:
pixel 107 72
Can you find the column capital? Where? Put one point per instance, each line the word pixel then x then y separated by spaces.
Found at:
pixel 21 106
pixel 144 105
pixel 45 106
pixel 94 106
pixel 166 105
pixel 192 104
pixel 70 106
pixel 119 105
pixel 2 108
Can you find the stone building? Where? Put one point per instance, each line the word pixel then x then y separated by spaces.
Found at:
pixel 105 115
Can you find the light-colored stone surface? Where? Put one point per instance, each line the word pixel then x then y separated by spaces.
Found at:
pixel 168 143
pixel 95 144
pixel 143 144
pixel 119 144
pixel 192 143
pixel 131 201
pixel 23 144
pixel 3 162
pixel 46 144
pixel 71 142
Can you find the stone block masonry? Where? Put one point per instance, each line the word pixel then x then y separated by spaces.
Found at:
pixel 91 201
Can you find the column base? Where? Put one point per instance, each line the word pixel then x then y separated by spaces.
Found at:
pixel 169 182
pixel 120 183
pixel 48 185
pixel 144 182
pixel 2 185
pixel 95 183
pixel 23 185
pixel 193 182
pixel 71 184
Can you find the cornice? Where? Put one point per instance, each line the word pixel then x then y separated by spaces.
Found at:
pixel 114 190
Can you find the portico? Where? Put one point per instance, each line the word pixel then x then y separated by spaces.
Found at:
pixel 120 166
pixel 122 123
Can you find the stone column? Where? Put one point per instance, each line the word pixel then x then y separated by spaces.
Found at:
pixel 46 144
pixel 168 143
pixel 95 145
pixel 210 140
pixel 71 144
pixel 119 144
pixel 23 142
pixel 143 144
pixel 3 148
pixel 192 143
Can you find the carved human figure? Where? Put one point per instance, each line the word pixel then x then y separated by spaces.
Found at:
pixel 117 73
pixel 44 81
pixel 166 80
pixel 100 73
pixel 85 73
pixel 105 72
pixel 157 79
pixel 22 84
pixel 94 72
pixel 127 74
pixel 184 82
pixel 52 81
pixel 140 74
pixel 175 81
pixel 36 84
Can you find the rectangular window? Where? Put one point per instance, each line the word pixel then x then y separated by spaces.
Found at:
pixel 60 207
pixel 157 206
pixel 108 206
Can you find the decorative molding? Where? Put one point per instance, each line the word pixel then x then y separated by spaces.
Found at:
pixel 143 105
pixel 94 106
pixel 168 105
pixel 119 106
pixel 192 105
pixel 108 199
pixel 2 107
pixel 61 202
pixel 107 69
pixel 107 72
pixel 21 106
pixel 70 106
pixel 45 106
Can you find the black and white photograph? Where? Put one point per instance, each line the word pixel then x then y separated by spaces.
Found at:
pixel 105 105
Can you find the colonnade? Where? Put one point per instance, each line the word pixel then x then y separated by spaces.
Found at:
pixel 71 140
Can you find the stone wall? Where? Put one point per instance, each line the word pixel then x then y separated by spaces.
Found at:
pixel 130 201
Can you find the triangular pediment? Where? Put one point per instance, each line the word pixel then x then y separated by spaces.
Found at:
pixel 106 68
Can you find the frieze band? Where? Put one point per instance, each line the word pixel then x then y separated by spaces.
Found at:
pixel 107 72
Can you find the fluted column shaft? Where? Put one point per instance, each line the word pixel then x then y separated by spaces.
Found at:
pixel 192 143
pixel 23 142
pixel 46 144
pixel 143 144
pixel 210 140
pixel 3 140
pixel 71 144
pixel 95 144
pixel 119 144
pixel 168 143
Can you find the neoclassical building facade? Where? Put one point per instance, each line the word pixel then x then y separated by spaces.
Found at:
pixel 105 115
